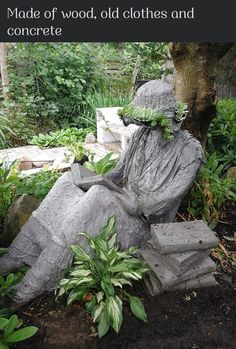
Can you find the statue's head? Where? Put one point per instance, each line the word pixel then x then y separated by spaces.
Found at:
pixel 158 95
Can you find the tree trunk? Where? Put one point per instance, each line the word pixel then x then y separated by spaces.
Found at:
pixel 3 66
pixel 195 73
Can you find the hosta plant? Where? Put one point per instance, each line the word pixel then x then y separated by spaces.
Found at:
pixel 101 276
pixel 102 166
pixel 11 333
pixel 148 116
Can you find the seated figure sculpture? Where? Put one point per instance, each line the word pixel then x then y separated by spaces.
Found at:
pixel 154 175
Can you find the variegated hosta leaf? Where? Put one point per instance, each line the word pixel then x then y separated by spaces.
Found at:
pixel 103 325
pixel 99 296
pixel 80 254
pixel 109 228
pixel 131 275
pixel 114 312
pixel 116 283
pixel 124 281
pixel 80 272
pixel 98 312
pixel 119 268
pixel 112 240
pixel 77 294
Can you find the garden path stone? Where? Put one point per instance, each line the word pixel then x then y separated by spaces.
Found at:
pixel 182 236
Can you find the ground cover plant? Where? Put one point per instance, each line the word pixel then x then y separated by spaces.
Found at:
pixel 64 137
pixel 102 276
pixel 12 333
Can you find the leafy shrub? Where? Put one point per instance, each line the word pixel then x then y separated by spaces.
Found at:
pixel 63 137
pixel 11 333
pixel 9 180
pixel 149 116
pixel 39 184
pixel 51 80
pixel 210 191
pixel 104 276
pixel 222 133
pixel 103 165
pixel 23 126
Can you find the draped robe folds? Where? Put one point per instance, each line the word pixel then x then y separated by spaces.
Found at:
pixel 157 172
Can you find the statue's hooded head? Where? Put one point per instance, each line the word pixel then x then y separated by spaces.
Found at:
pixel 158 95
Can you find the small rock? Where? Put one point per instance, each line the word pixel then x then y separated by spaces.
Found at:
pixel 25 164
pixel 17 215
pixel 42 160
pixel 90 138
pixel 231 173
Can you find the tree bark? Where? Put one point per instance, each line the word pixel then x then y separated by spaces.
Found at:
pixel 3 66
pixel 195 73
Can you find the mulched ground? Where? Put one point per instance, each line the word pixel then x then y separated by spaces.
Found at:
pixel 204 318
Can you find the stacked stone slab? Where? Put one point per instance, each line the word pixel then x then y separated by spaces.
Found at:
pixel 178 255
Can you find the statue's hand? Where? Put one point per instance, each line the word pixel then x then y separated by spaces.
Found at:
pixel 129 201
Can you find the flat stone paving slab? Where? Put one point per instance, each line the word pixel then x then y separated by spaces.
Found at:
pixel 166 278
pixel 182 236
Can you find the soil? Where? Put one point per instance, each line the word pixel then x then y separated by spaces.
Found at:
pixel 205 318
pixel 190 319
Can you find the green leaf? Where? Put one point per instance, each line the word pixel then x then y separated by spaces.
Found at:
pixel 137 308
pixel 99 296
pixel 3 346
pixel 90 305
pixel 107 286
pixel 131 275
pixel 121 267
pixel 77 295
pixel 103 325
pixel 3 323
pixel 9 280
pixel 12 324
pixel 109 228
pixel 80 253
pixel 112 240
pixel 98 311
pixel 21 334
pixel 80 273
pixel 114 312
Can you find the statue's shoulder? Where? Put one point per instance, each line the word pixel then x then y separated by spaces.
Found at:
pixel 194 147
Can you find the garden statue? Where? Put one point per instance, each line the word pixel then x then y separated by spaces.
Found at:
pixel 152 176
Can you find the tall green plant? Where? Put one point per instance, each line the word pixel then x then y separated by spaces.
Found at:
pixel 222 133
pixel 210 191
pixel 103 274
